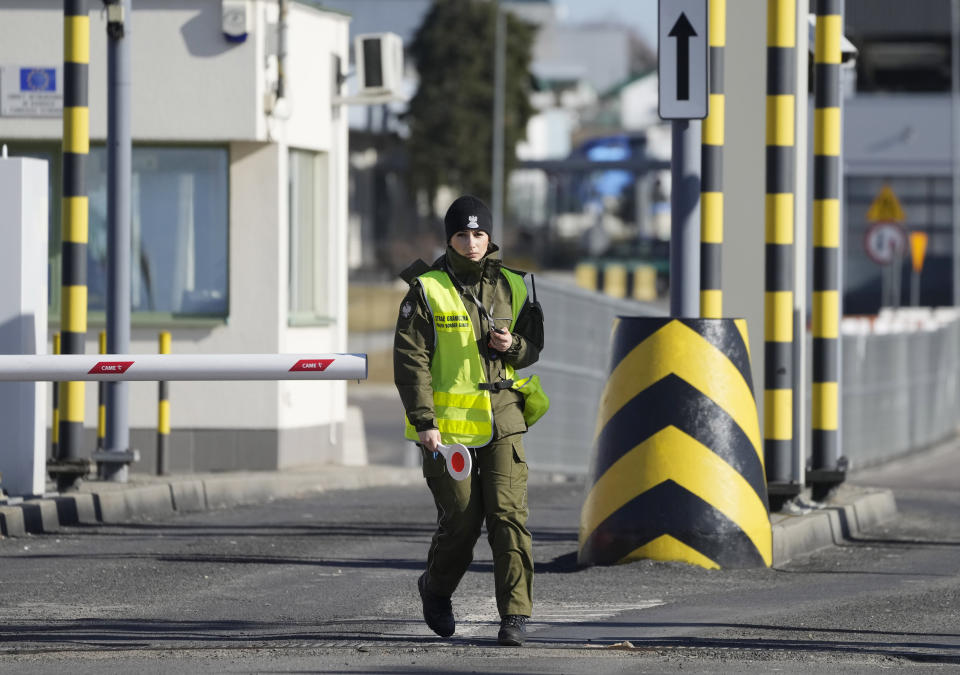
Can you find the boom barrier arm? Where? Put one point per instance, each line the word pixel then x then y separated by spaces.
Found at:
pixel 167 367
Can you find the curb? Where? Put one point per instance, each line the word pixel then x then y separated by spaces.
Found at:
pixel 152 497
pixel 840 519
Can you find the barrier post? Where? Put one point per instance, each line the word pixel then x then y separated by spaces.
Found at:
pixel 163 413
pixel 113 463
pixel 55 426
pixel 827 468
pixel 677 471
pixel 102 400
pixel 69 467
pixel 778 376
pixel 711 172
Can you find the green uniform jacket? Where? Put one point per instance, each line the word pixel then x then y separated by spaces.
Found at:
pixel 414 341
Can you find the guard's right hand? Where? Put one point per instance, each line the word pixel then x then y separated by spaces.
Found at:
pixel 430 439
pixel 500 340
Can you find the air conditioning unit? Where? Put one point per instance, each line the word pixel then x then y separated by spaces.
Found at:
pixel 379 58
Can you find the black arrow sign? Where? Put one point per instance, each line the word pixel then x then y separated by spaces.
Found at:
pixel 683 31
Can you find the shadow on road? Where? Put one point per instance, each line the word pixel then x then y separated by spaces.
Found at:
pixel 97 634
pixel 904 650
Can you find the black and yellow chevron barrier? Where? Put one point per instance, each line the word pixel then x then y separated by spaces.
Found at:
pixel 677 469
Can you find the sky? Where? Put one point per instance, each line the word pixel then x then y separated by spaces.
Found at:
pixel 641 14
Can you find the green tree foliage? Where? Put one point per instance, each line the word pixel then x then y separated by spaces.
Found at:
pixel 451 115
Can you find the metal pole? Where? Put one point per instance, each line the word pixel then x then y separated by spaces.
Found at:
pixel 284 8
pixel 68 468
pixel 711 195
pixel 898 277
pixel 55 427
pixel 163 414
pixel 119 168
pixel 102 400
pixel 827 209
pixel 779 277
pixel 685 219
pixel 499 85
pixel 955 128
pixel 798 461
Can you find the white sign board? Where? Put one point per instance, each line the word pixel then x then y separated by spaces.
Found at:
pixel 884 242
pixel 683 72
pixel 31 91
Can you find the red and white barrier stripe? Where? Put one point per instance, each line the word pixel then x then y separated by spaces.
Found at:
pixel 156 367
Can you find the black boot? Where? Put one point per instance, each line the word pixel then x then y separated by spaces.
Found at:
pixel 437 610
pixel 513 629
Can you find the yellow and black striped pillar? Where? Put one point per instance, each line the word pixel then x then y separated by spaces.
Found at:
pixel 102 401
pixel 826 248
pixel 163 414
pixel 76 146
pixel 55 427
pixel 779 219
pixel 677 467
pixel 711 171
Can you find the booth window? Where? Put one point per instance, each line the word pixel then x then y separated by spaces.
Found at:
pixel 179 230
pixel 310 244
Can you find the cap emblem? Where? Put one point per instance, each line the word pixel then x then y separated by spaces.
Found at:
pixel 473 224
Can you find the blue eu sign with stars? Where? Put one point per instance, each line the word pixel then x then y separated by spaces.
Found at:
pixel 38 79
pixel 32 90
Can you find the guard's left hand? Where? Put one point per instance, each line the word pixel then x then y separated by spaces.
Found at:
pixel 501 340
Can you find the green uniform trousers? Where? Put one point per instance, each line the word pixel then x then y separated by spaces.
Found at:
pixel 496 492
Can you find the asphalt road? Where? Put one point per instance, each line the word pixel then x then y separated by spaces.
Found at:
pixel 327 584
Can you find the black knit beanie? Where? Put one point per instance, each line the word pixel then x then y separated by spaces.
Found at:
pixel 467 213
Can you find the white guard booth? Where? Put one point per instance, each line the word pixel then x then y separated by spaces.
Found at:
pixel 239 211
pixel 23 321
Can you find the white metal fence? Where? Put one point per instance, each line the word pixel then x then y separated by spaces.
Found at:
pixel 573 371
pixel 899 390
pixel 900 387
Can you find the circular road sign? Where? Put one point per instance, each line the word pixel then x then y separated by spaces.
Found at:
pixel 884 241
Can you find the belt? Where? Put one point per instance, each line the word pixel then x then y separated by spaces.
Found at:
pixel 495 386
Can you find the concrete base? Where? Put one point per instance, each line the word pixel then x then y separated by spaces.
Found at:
pixel 848 512
pixel 146 497
pixel 207 450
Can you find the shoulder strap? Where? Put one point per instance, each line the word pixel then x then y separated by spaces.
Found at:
pixel 414 270
pixel 520 273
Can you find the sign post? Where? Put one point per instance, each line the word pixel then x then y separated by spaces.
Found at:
pixel 886 241
pixel 918 249
pixel 682 26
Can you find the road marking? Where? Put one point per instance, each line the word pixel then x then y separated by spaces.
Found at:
pixel 546 614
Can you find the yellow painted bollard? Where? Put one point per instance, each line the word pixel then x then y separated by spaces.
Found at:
pixel 645 283
pixel 585 275
pixel 711 173
pixel 74 207
pixel 102 401
pixel 55 427
pixel 615 280
pixel 677 469
pixel 163 414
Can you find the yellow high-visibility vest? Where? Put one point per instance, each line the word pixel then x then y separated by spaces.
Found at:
pixel 463 411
